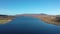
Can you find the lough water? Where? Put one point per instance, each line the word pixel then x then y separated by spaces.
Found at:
pixel 29 25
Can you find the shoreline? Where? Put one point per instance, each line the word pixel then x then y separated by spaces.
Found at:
pixel 4 21
pixel 49 20
pixel 7 21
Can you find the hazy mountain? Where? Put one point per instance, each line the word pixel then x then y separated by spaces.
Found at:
pixel 31 14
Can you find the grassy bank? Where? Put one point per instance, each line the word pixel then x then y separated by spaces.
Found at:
pixel 4 21
pixel 49 19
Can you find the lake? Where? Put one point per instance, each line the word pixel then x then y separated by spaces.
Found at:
pixel 29 25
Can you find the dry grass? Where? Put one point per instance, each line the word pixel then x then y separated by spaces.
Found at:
pixel 5 20
pixel 49 19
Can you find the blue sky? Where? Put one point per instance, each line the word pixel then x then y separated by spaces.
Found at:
pixel 12 7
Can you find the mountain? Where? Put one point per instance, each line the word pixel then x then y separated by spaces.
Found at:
pixel 42 14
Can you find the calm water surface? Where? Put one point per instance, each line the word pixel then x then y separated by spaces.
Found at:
pixel 25 24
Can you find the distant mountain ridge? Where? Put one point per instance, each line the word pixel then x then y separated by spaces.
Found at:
pixel 30 14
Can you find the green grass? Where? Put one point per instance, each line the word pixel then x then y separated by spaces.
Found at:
pixel 3 21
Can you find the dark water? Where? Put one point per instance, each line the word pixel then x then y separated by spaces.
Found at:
pixel 29 25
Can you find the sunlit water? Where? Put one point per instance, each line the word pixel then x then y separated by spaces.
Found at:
pixel 25 24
